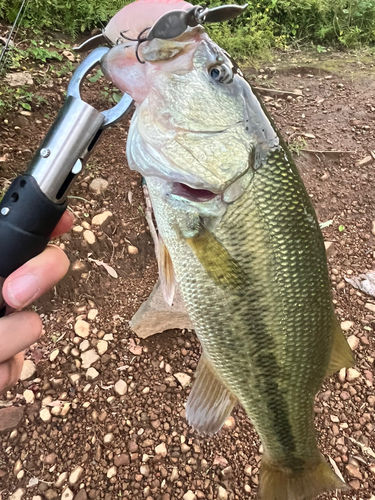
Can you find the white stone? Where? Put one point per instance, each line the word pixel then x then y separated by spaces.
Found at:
pixel 132 250
pixel 61 480
pixel 370 307
pixel 19 79
pixel 342 375
pixel 18 494
pixel 353 342
pixel 28 370
pixel 78 229
pixel 82 328
pixel 161 450
pixel 17 467
pixel 75 475
pixel 99 219
pixel 65 409
pixel 67 494
pixel 92 314
pixel 89 236
pixel 45 415
pixel 84 345
pixel 156 316
pixel 112 472
pixel 222 493
pixel 92 374
pixel 29 396
pixel 102 347
pixel 108 336
pixel 352 374
pixel 54 355
pixel 174 475
pixel 47 400
pixel 229 424
pixel 56 411
pixel 99 185
pixel 189 495
pixel 89 358
pixel 121 387
pixel 144 470
pixel 346 325
pixel 183 378
pixel 373 227
pixel 108 438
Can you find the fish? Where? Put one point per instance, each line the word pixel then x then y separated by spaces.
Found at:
pixel 239 234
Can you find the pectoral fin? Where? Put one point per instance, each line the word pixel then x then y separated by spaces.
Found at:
pixel 216 260
pixel 210 403
pixel 166 273
pixel 341 354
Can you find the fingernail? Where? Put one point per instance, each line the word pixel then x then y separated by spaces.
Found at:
pixel 22 290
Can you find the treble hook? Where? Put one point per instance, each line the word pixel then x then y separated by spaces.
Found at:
pixel 139 39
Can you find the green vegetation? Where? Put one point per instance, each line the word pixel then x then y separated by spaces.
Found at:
pixel 9 97
pixel 267 23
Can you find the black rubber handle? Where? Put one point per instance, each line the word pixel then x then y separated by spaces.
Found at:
pixel 27 219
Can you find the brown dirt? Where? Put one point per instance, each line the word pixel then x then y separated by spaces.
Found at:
pixel 339 110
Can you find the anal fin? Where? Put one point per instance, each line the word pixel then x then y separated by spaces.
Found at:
pixel 341 354
pixel 210 402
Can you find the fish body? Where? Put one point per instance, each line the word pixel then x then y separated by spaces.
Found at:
pixel 246 250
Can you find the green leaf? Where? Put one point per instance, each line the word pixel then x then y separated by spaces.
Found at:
pixel 341 228
pixel 116 97
pixel 26 105
pixel 96 77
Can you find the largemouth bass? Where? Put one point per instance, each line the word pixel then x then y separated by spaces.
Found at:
pixel 241 238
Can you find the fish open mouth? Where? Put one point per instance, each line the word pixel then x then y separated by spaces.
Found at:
pixel 185 191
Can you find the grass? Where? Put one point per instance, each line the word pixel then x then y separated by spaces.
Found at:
pixel 266 23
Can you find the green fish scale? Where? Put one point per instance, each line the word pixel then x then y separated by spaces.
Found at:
pixel 269 339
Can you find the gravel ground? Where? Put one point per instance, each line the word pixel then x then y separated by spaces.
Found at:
pixel 98 413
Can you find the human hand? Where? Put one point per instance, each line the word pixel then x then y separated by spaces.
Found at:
pixel 19 330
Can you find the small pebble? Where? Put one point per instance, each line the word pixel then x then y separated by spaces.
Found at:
pixel 75 475
pixel 161 450
pixel 82 328
pixel 121 387
pixel 89 236
pixel 45 415
pixel 28 370
pixel 112 472
pixel 29 396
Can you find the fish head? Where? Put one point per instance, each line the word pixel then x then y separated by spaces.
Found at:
pixel 197 124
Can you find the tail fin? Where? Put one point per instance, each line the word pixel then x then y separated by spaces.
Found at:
pixel 281 484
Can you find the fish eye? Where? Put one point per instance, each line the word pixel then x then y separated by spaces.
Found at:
pixel 221 73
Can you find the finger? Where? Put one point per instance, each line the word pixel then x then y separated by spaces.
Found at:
pixel 18 331
pixel 10 372
pixel 64 224
pixel 35 277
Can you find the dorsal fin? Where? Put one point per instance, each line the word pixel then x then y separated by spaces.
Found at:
pixel 210 402
pixel 341 354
